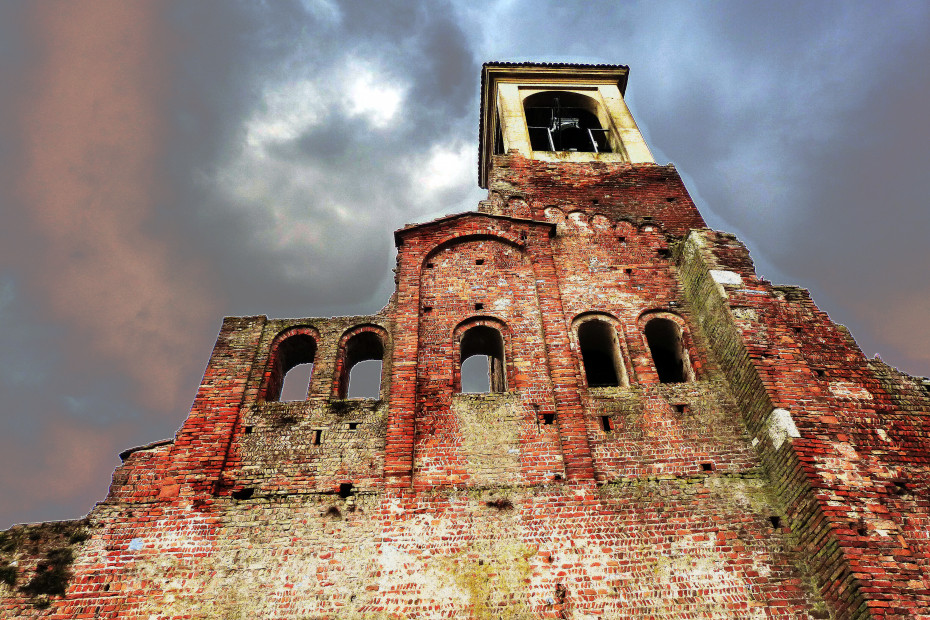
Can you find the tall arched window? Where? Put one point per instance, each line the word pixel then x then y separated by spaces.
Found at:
pixel 600 354
pixel 564 121
pixel 668 354
pixel 487 344
pixel 293 352
pixel 361 367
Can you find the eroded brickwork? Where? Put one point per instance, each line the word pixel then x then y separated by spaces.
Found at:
pixel 667 436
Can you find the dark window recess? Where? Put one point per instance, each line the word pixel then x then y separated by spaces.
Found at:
pixel 345 490
pixel 667 352
pixel 594 202
pixel 556 125
pixel 245 493
pixel 680 408
pixel 486 373
pixel 775 521
pixel 707 467
pixel 819 372
pixel 670 199
pixel 479 261
pixel 628 271
pixel 317 437
pixel 353 426
pixel 498 138
pixel 427 309
pixel 248 430
pixel 297 351
pixel 663 253
pixel 479 306
pixel 548 418
pixel 605 423
pixel 361 372
pixel 429 265
pixel 621 239
pixel 599 353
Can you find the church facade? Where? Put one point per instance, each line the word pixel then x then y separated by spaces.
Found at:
pixel 662 434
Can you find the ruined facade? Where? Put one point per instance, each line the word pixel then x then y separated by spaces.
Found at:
pixel 665 434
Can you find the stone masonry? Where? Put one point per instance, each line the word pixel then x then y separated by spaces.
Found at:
pixel 665 435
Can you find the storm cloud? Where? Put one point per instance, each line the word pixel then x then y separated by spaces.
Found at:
pixel 164 164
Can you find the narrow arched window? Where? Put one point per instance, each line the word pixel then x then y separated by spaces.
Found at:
pixel 600 354
pixel 362 366
pixel 291 368
pixel 481 359
pixel 668 355
pixel 564 121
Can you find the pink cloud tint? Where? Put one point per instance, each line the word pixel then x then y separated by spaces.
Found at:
pixel 92 146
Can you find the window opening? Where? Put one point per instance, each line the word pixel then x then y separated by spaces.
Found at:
pixel 479 261
pixel 362 366
pixel 345 490
pixel 498 137
pixel 664 340
pixel 548 418
pixel 479 306
pixel 486 344
pixel 248 430
pixel 555 126
pixel 291 369
pixel 599 353
pixel 353 426
pixel 317 437
pixel 297 383
pixel 605 423
pixel 707 467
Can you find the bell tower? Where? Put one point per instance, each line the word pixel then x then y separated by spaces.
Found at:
pixel 557 113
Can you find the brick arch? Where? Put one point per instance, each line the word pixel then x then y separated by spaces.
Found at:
pixel 622 356
pixel 686 341
pixel 506 238
pixel 291 346
pixel 340 387
pixel 482 321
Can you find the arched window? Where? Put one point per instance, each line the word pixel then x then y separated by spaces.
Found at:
pixel 362 362
pixel 487 345
pixel 600 354
pixel 668 354
pixel 563 121
pixel 291 367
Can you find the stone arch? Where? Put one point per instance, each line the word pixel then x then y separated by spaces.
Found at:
pixel 359 344
pixel 668 341
pixel 567 121
pixel 291 347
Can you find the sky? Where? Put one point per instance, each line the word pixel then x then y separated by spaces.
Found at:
pixel 164 164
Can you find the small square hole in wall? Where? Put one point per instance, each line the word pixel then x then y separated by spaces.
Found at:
pixel 663 253
pixel 628 271
pixel 248 430
pixel 820 372
pixel 479 306
pixel 427 309
pixel 605 423
pixel 681 408
pixel 429 265
pixel 548 418
pixel 594 202
pixel 670 199
pixel 707 467
pixel 775 521
pixel 345 490
pixel 479 261
pixel 317 437
pixel 621 239
pixel 353 426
